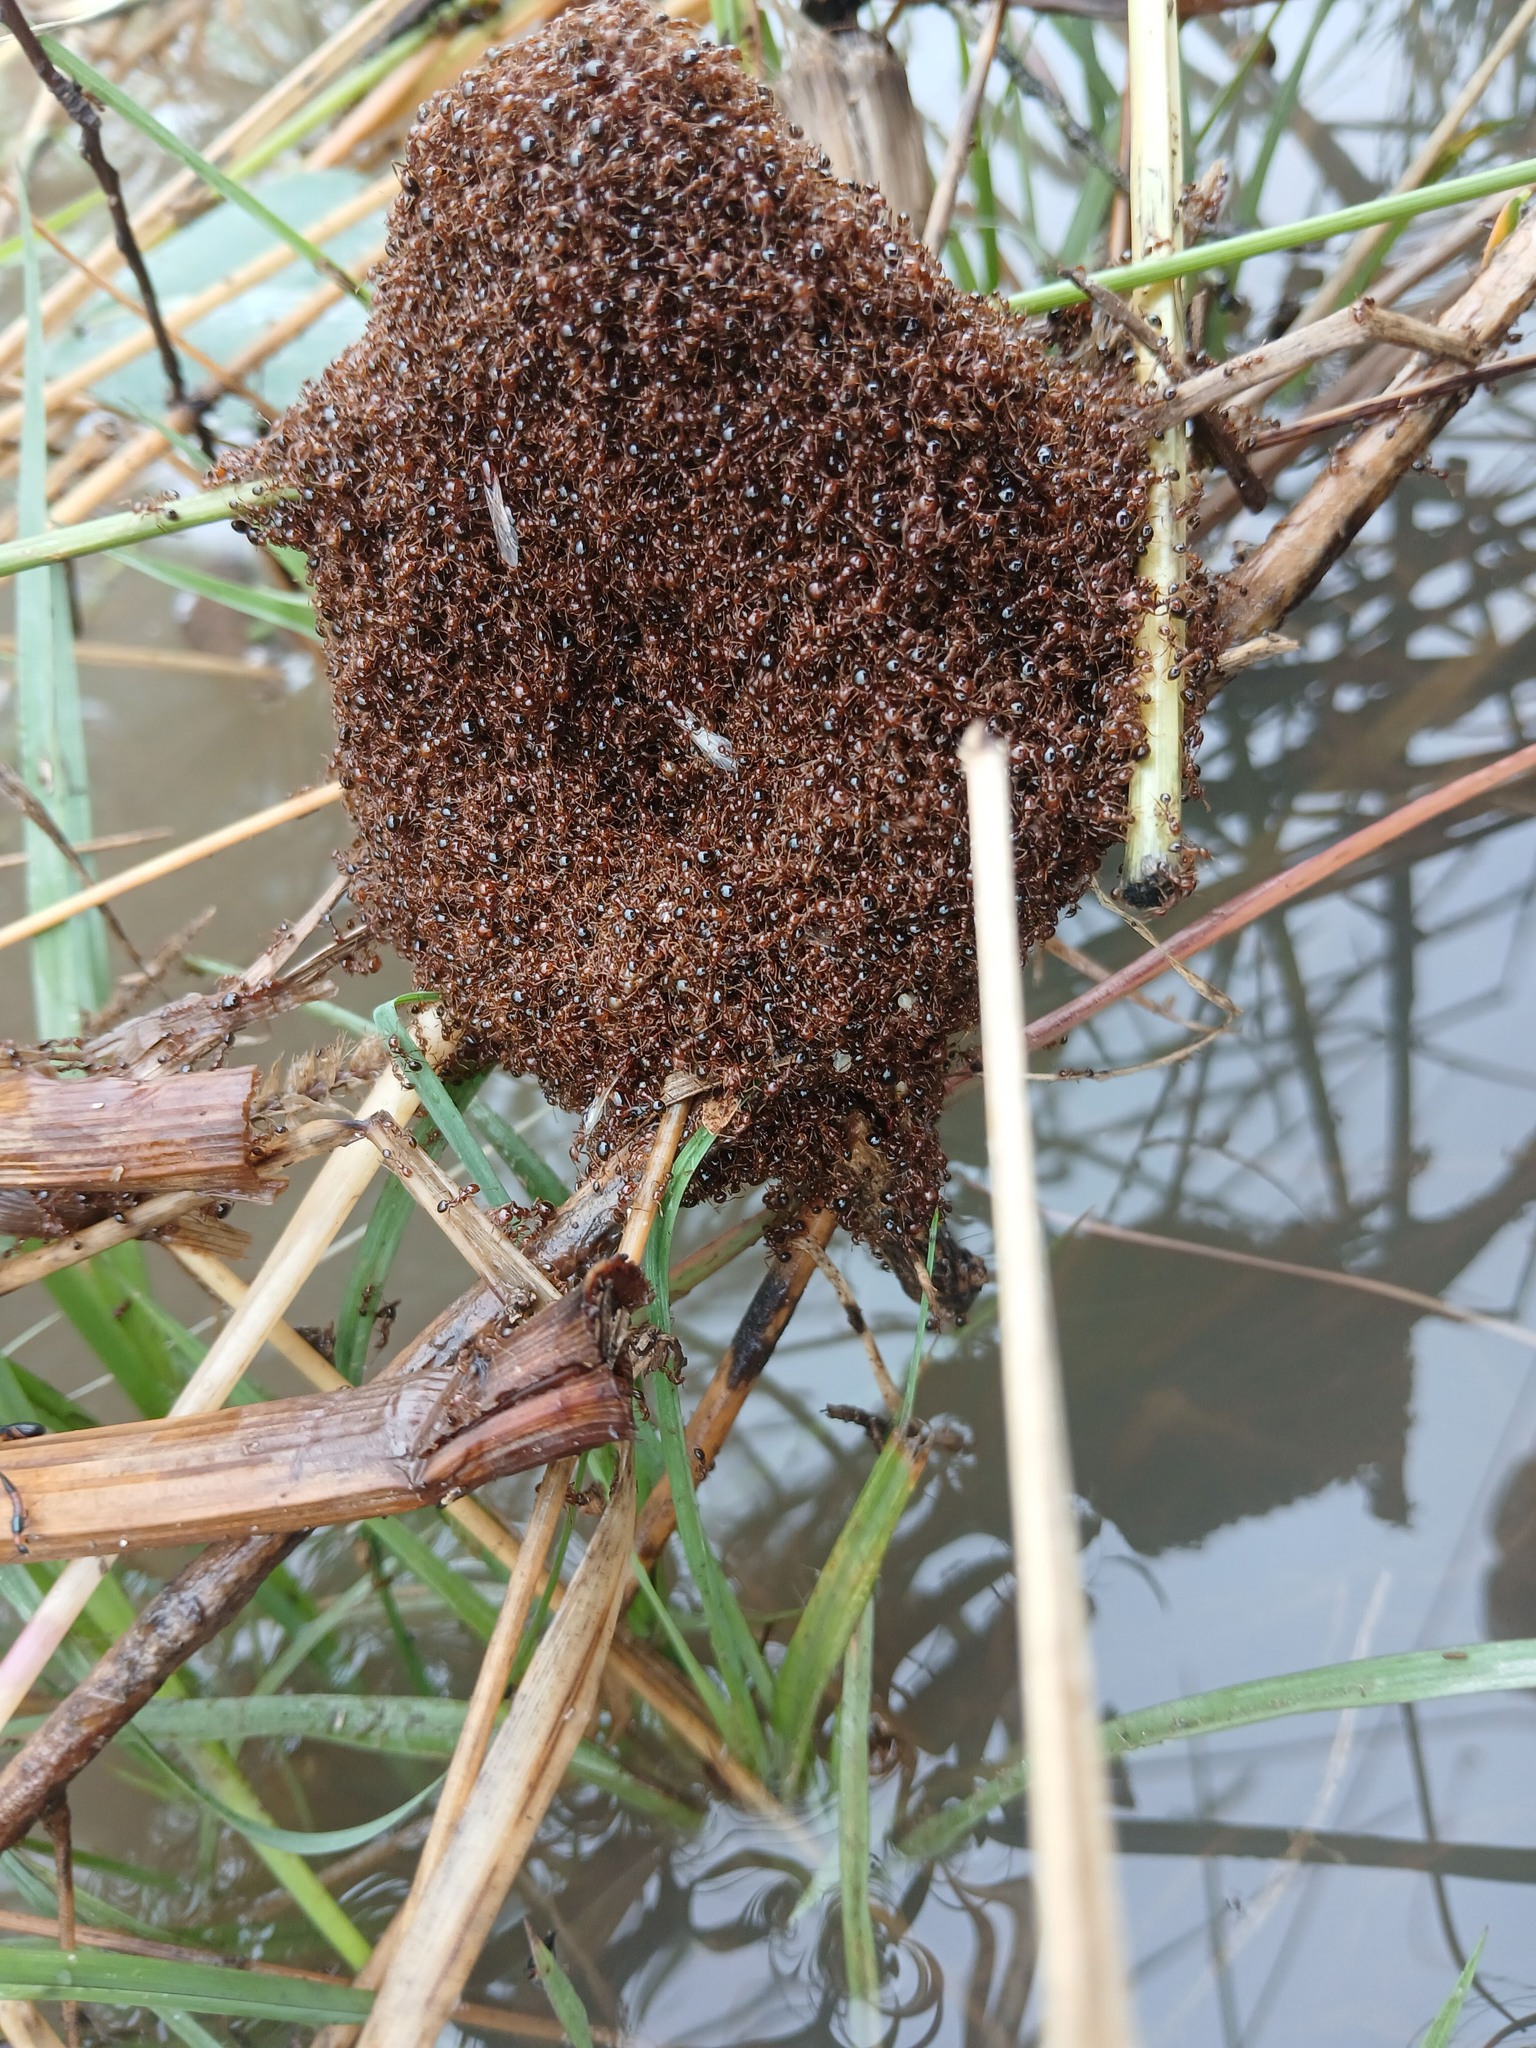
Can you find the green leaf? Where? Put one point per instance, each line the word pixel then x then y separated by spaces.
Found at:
pixel 536 1174
pixel 658 1246
pixel 842 1593
pixel 562 1994
pixel 1412 1675
pixel 286 608
pixel 436 1098
pixel 861 1958
pixel 34 1969
pixel 738 1658
pixel 1443 2026
pixel 228 188
pixel 307 1841
pixel 70 974
pixel 26 1398
pixel 422 1561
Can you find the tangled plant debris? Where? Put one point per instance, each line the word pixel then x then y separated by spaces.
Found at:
pixel 670 522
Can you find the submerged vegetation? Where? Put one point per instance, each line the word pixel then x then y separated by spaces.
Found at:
pixel 664 515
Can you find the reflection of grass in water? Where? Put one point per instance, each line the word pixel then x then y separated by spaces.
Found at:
pixel 773 1707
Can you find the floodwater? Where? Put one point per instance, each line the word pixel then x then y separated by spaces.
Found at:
pixel 1277 1473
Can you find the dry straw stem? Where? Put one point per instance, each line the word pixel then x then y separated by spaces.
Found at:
pixel 1274 890
pixel 1154 862
pixel 474 1236
pixel 187 312
pixel 958 155
pixel 24 2026
pixel 170 863
pixel 1085 1996
pixel 479 1726
pixel 326 1206
pixel 1358 479
pixel 521 1775
pixel 1362 323
pixel 184 195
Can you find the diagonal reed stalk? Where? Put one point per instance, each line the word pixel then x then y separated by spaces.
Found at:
pixel 1155 865
pixel 169 863
pixel 1085 1990
pixel 454 1907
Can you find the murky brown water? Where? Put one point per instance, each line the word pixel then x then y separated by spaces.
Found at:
pixel 1282 1474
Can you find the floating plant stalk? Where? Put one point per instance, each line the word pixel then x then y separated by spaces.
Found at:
pixel 1155 867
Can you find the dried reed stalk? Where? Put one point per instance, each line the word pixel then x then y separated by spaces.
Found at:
pixel 942 208
pixel 1085 1987
pixel 1295 557
pixel 107 1133
pixel 1154 871
pixel 553 1385
pixel 315 1222
pixel 170 863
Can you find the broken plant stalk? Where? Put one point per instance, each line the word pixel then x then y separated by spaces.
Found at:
pixel 1155 870
pixel 326 1206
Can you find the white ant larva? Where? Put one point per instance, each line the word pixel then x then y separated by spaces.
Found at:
pixel 714 746
pixel 502 523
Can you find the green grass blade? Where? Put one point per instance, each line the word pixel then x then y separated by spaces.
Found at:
pixel 1443 2026
pixel 720 1706
pixel 831 1615
pixel 538 1177
pixel 658 1247
pixel 562 1995
pixel 1252 193
pixel 97 1297
pixel 422 1562
pixel 367 1277
pixel 287 608
pixel 262 1834
pixel 126 529
pixel 437 1099
pixel 738 1658
pixel 70 975
pixel 192 2031
pixel 861 1958
pixel 26 1398
pixel 1295 234
pixel 1410 1676
pixel 34 1969
pixel 228 188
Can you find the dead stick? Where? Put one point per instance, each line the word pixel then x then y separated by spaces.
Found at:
pixel 1269 894
pixel 941 212
pixel 1392 402
pixel 189 1612
pixel 86 115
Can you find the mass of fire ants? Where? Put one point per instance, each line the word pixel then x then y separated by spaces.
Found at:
pixel 668 525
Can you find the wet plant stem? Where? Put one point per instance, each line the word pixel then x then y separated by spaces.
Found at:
pixel 1154 869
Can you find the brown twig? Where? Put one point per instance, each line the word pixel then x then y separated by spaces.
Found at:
pixel 109 1134
pixel 85 114
pixel 1390 403
pixel 956 157
pixel 37 813
pixel 1274 890
pixel 187 1613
